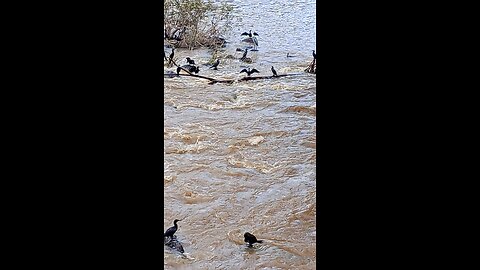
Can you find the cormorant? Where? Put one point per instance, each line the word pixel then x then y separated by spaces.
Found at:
pixel 274 72
pixel 251 239
pixel 249 34
pixel 314 55
pixel 190 68
pixel 171 56
pixel 249 72
pixel 251 39
pixel 215 65
pixel 190 61
pixel 244 56
pixel 171 231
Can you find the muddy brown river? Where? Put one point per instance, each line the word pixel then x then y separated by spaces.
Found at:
pixel 242 157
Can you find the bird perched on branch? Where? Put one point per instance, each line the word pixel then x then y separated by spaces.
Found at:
pixel 215 65
pixel 314 55
pixel 172 230
pixel 190 61
pixel 249 72
pixel 173 243
pixel 251 239
pixel 274 72
pixel 170 58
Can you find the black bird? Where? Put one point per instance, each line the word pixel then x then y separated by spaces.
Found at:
pixel 190 68
pixel 190 61
pixel 274 72
pixel 251 39
pixel 249 34
pixel 215 65
pixel 171 231
pixel 249 72
pixel 314 55
pixel 171 56
pixel 244 56
pixel 251 239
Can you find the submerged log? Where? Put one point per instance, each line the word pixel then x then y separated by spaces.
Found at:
pixel 229 81
pixel 173 243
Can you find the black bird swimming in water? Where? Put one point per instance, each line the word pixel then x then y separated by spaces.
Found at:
pixel 190 61
pixel 190 68
pixel 314 55
pixel 249 72
pixel 251 239
pixel 215 65
pixel 249 34
pixel 274 72
pixel 172 230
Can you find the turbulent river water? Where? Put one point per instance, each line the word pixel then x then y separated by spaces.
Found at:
pixel 242 158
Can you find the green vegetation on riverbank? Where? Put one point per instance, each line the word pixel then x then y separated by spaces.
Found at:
pixel 196 23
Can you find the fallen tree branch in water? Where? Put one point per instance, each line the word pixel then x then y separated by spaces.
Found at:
pixel 229 81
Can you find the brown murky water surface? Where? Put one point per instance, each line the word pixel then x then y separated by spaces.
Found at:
pixel 241 157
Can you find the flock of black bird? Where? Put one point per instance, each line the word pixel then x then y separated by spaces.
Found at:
pixel 192 68
pixel 169 236
pixel 171 240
